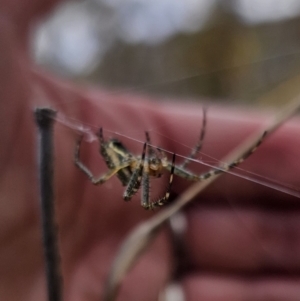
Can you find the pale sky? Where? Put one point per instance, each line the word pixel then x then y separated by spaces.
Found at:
pixel 80 32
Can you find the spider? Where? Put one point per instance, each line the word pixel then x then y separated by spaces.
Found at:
pixel 135 171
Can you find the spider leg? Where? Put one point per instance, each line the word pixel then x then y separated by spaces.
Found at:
pixel 145 201
pixel 154 153
pixel 199 144
pixel 101 179
pixel 162 201
pixel 151 151
pixel 226 167
pixel 114 153
pixel 136 178
pixel 181 172
pixel 103 151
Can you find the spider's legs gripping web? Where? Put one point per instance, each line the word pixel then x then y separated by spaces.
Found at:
pixel 181 172
pixel 228 166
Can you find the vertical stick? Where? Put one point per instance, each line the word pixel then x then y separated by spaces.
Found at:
pixel 44 118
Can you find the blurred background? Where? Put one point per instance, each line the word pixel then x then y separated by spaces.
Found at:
pixel 229 50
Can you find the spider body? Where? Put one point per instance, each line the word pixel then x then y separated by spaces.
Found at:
pixel 135 172
pixel 114 153
pixel 132 171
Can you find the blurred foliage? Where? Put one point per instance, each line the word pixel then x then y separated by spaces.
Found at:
pixel 227 60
